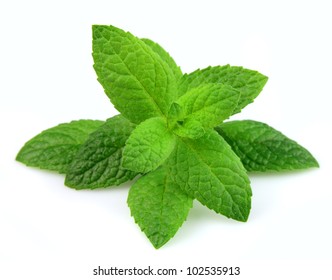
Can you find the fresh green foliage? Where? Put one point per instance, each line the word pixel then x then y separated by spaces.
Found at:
pixel 171 132
pixel 189 129
pixel 209 104
pixel 262 148
pixel 148 146
pixel 97 163
pixel 165 57
pixel 208 170
pixel 133 75
pixel 250 83
pixel 55 148
pixel 159 206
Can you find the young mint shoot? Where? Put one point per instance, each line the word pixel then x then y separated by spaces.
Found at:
pixel 172 133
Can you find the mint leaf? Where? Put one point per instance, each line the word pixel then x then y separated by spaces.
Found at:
pixel 159 206
pixel 97 163
pixel 138 82
pixel 189 128
pixel 208 170
pixel 250 83
pixel 209 104
pixel 165 56
pixel 55 148
pixel 262 148
pixel 175 115
pixel 148 146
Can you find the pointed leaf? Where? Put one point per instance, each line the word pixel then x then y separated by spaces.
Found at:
pixel 55 148
pixel 138 82
pixel 209 104
pixel 159 206
pixel 250 83
pixel 208 170
pixel 97 163
pixel 262 148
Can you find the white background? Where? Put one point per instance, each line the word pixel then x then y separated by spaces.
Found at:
pixel 49 231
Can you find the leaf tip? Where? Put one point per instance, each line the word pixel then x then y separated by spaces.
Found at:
pixel 96 28
pixel 314 162
pixel 19 157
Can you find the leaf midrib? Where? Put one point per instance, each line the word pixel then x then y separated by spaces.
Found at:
pixel 140 83
pixel 210 170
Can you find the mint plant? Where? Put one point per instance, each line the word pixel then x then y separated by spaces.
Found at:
pixel 171 134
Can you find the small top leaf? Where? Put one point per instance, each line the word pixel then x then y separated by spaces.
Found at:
pixel 175 114
pixel 189 128
pixel 262 148
pixel 209 104
pixel 55 148
pixel 136 79
pixel 250 83
pixel 148 146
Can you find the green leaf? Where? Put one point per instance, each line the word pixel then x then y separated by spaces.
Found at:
pixel 208 170
pixel 250 83
pixel 148 146
pixel 138 82
pixel 165 56
pixel 159 206
pixel 189 128
pixel 97 164
pixel 209 104
pixel 55 148
pixel 262 148
pixel 175 114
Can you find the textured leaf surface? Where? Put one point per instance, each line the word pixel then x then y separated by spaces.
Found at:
pixel 262 148
pixel 189 129
pixel 138 82
pixel 98 161
pixel 159 206
pixel 165 56
pixel 55 148
pixel 208 170
pixel 250 83
pixel 175 114
pixel 209 104
pixel 148 146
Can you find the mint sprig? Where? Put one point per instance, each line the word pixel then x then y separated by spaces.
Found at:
pixel 171 133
